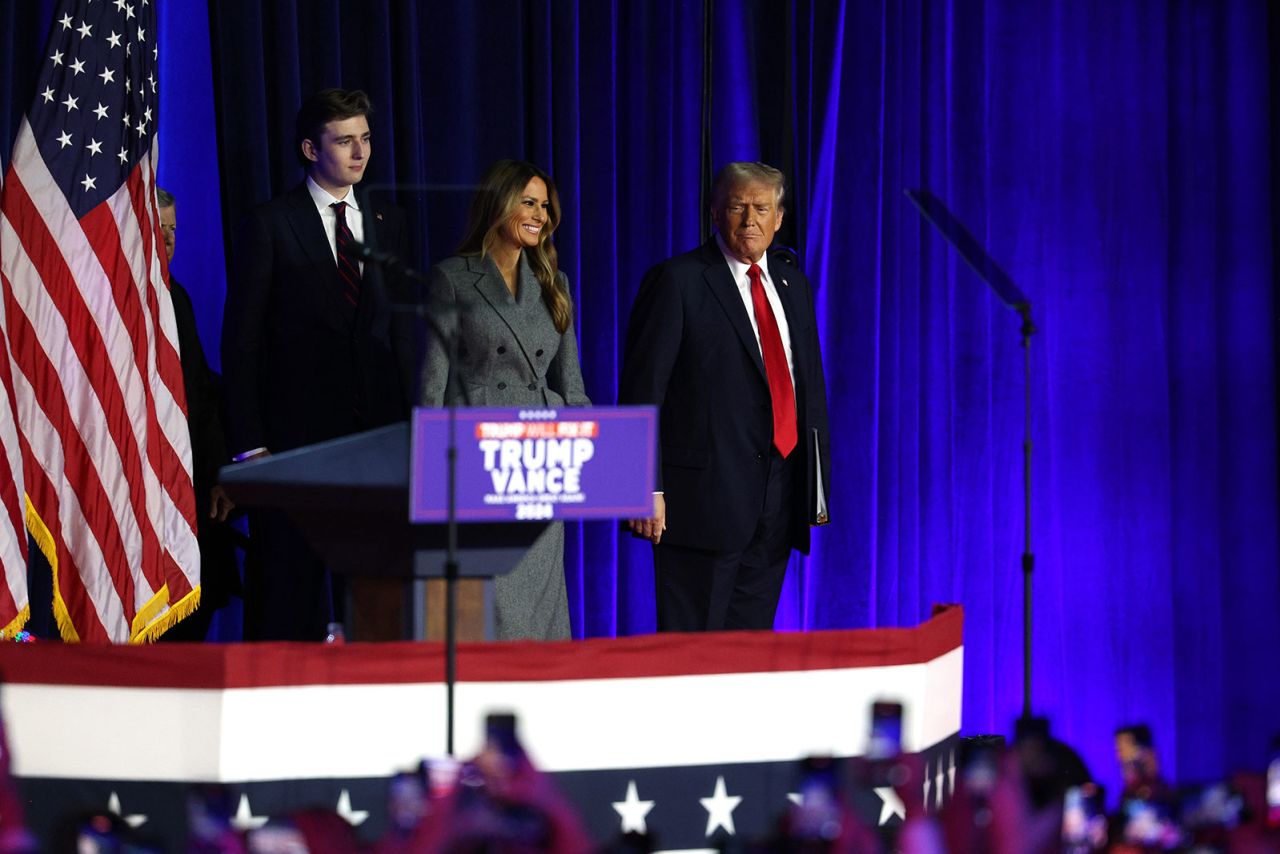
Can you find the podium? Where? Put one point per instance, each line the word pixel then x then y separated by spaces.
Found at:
pixel 373 505
pixel 350 499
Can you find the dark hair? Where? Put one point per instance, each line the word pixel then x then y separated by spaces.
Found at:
pixel 323 107
pixel 494 203
pixel 1140 733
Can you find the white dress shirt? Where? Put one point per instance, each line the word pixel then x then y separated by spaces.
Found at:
pixel 329 217
pixel 743 281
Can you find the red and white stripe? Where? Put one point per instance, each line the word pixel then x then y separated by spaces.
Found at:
pixel 14 607
pixel 258 712
pixel 99 401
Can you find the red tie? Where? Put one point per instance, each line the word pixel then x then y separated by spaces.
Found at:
pixel 775 367
pixel 348 267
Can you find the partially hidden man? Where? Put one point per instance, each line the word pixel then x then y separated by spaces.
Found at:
pixel 724 340
pixel 310 348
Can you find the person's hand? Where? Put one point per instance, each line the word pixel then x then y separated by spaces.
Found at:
pixel 220 504
pixel 651 529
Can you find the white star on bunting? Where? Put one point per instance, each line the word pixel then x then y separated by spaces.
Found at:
pixel 133 820
pixel 244 819
pixel 720 807
pixel 890 804
pixel 352 817
pixel 633 810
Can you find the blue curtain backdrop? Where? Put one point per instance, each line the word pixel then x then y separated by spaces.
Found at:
pixel 1116 158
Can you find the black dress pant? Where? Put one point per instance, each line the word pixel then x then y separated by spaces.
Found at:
pixel 701 590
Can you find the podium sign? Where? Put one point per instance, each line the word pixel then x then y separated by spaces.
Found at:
pixel 534 464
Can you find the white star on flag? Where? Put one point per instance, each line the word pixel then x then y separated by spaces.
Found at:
pixel 244 819
pixel 720 807
pixel 928 783
pixel 890 804
pixel 113 807
pixel 633 810
pixel 352 817
pixel 951 775
pixel 85 30
pixel 114 39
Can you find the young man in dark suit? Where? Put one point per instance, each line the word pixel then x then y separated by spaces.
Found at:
pixel 310 348
pixel 724 341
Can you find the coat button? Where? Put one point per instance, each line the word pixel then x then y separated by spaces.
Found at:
pixel 759 456
pixel 539 353
pixel 502 385
pixel 533 386
pixel 501 350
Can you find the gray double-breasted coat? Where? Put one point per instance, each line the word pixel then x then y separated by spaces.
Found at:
pixel 508 354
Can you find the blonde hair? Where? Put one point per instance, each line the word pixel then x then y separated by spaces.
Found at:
pixel 500 192
pixel 733 175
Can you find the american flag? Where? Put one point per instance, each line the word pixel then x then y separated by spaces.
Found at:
pixel 95 374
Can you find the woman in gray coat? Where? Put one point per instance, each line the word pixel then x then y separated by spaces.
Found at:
pixel 515 347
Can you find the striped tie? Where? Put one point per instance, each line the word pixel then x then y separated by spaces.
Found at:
pixel 348 267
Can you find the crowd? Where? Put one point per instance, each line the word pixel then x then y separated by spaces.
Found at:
pixel 1031 794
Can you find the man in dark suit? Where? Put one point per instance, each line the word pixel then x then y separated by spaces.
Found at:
pixel 219 575
pixel 310 348
pixel 724 340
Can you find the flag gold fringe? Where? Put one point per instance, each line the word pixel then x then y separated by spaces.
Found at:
pixel 16 624
pixel 141 631
pixel 177 612
pixel 44 541
pixel 148 612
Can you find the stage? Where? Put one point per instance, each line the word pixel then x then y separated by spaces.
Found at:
pixel 689 737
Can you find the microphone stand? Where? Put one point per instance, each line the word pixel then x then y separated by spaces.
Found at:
pixel 932 208
pixel 422 309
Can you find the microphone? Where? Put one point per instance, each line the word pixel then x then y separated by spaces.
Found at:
pixel 365 252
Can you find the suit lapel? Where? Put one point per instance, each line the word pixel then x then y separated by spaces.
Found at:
pixel 304 221
pixel 493 288
pixel 720 281
pixel 779 274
